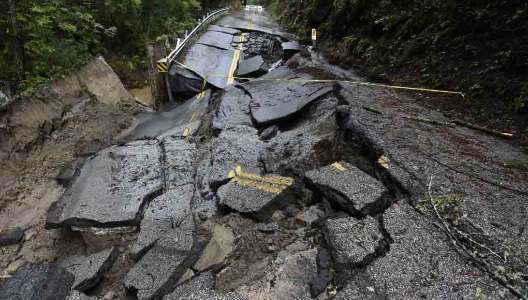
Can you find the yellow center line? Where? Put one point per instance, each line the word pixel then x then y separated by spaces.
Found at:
pixel 194 115
pixel 236 55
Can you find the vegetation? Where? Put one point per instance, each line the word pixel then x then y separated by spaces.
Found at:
pixel 44 39
pixel 477 47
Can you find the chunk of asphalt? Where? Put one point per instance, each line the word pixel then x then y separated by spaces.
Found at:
pixel 324 272
pixel 274 102
pixel 43 282
pixel 180 157
pixel 159 270
pixel 252 67
pixel 349 187
pixel 251 200
pixel 237 146
pixel 111 189
pixel 217 250
pixel 88 270
pixel 216 39
pixel 233 110
pixel 164 216
pixel 353 242
pixel 200 288
pixel 11 237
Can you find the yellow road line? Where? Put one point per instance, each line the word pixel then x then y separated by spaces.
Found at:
pixel 194 116
pixel 271 184
pixel 238 51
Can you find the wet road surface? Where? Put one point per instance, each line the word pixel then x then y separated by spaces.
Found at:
pixel 282 188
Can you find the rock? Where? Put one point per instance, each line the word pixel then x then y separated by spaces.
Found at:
pixel 112 188
pixel 217 250
pixel 266 227
pixel 269 133
pixel 421 264
pixel 237 146
pixel 295 275
pixel 43 282
pixel 200 288
pixel 310 216
pixel 353 242
pixel 324 272
pixel 88 270
pixel 272 104
pixel 11 237
pixel 349 187
pixel 160 269
pixel 98 78
pixel 252 67
pixel 233 109
pixel 164 215
pixel 14 266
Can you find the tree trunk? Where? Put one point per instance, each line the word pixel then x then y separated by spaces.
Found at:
pixel 17 49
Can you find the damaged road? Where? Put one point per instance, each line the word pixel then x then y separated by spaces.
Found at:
pixel 286 188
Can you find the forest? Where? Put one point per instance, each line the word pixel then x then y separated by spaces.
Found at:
pixel 45 39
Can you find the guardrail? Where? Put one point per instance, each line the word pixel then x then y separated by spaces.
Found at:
pixel 165 63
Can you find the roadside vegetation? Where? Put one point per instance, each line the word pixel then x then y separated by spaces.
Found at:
pixel 42 40
pixel 476 47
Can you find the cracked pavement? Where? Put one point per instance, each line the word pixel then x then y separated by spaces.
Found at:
pixel 292 190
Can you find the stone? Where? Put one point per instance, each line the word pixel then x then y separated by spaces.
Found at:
pixel 111 189
pixel 349 187
pixel 98 78
pixel 43 282
pixel 309 216
pixel 217 250
pixel 266 227
pixel 269 133
pixel 252 67
pixel 89 270
pixel 164 216
pixel 272 104
pixel 238 146
pixel 15 265
pixel 11 237
pixel 353 242
pixel 161 267
pixel 427 265
pixel 295 275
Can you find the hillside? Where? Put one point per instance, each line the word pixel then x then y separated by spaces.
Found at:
pixel 477 47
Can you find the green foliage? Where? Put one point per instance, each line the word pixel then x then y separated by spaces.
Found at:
pixel 448 206
pixel 53 37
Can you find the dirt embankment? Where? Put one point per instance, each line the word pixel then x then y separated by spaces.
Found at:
pixel 41 136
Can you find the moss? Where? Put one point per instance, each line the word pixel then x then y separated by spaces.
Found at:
pixel 448 206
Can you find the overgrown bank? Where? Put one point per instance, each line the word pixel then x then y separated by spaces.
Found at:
pixel 43 40
pixel 477 47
